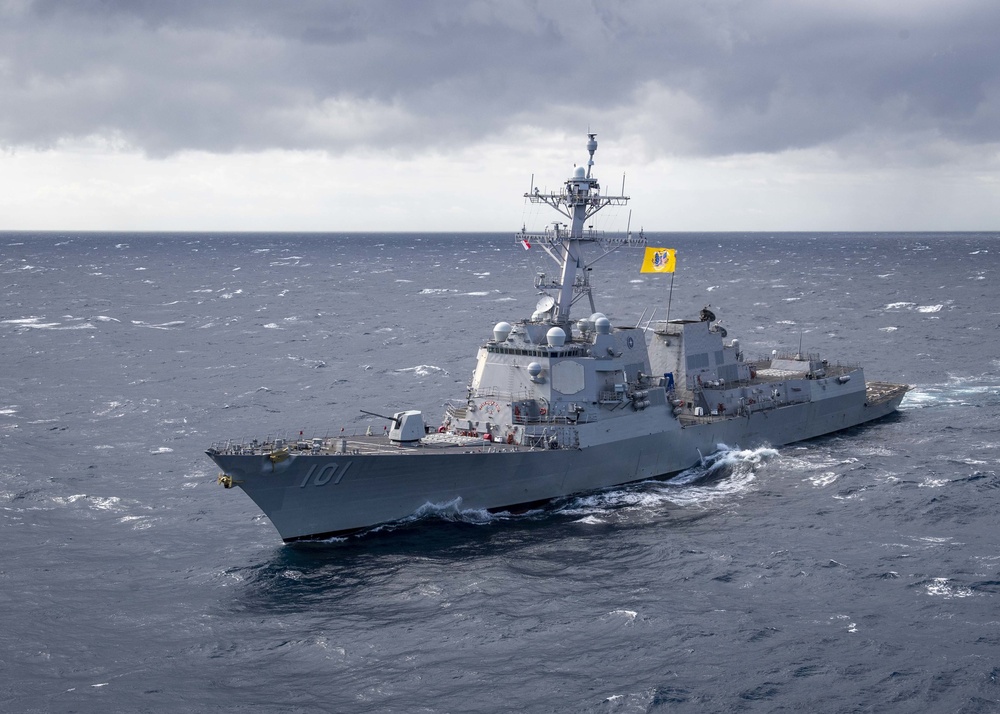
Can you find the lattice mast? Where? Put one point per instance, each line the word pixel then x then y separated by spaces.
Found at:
pixel 579 200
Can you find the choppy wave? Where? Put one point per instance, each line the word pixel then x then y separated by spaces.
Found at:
pixel 423 370
pixel 959 394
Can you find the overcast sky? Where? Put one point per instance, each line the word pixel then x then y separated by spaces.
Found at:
pixel 434 115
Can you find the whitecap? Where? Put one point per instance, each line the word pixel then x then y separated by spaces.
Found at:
pixel 823 479
pixel 161 326
pixel 436 291
pixel 477 294
pixel 110 407
pixel 161 450
pixel 422 370
pixel 899 305
pixel 888 329
pixel 930 308
pixel 941 587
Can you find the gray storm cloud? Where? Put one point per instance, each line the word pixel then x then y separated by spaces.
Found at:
pixel 707 78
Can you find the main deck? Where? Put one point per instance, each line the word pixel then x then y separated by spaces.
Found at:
pixel 279 449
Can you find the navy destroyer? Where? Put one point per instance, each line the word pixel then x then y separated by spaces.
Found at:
pixel 558 405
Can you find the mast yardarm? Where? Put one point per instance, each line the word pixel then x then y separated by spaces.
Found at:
pixel 579 199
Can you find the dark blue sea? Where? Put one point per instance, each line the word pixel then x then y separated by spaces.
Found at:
pixel 858 572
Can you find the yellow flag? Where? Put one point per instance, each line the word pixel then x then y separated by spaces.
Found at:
pixel 659 260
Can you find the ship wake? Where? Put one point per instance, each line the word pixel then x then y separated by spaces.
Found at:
pixel 724 474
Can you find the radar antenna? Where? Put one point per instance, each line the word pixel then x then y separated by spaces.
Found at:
pixel 579 199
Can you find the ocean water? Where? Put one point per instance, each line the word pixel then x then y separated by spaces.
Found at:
pixel 858 572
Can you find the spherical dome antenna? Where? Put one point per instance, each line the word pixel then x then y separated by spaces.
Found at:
pixel 534 369
pixel 556 337
pixel 580 172
pixel 603 325
pixel 501 331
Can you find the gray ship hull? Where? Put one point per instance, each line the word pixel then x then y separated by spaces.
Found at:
pixel 318 495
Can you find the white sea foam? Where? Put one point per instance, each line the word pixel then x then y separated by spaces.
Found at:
pixel 930 308
pixel 888 329
pixel 899 305
pixel 724 474
pixel 436 291
pixel 32 322
pixel 629 615
pixel 422 370
pixel 162 326
pixel 109 407
pixel 477 294
pixel 942 587
pixel 823 479
pixel 100 503
pixel 161 450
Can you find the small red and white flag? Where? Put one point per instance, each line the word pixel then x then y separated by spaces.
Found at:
pixel 526 244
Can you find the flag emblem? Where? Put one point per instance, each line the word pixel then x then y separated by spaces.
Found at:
pixel 659 260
